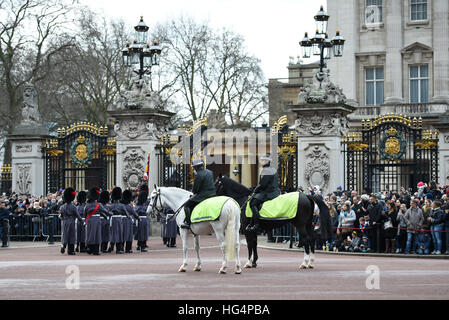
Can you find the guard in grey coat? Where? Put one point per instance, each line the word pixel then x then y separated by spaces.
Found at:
pixel 118 212
pixel 105 222
pixel 68 215
pixel 93 212
pixel 143 228
pixel 127 197
pixel 169 228
pixel 80 227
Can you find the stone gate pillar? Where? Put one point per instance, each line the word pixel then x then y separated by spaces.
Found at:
pixel 28 163
pixel 321 121
pixel 139 123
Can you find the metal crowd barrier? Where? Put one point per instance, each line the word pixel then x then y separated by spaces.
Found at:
pixel 284 233
pixel 51 227
pixel 33 226
pixel 26 226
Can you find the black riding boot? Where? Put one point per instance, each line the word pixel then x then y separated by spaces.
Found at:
pixel 77 249
pixel 111 247
pixel 119 248
pixel 63 248
pixel 104 247
pixel 82 247
pixel 186 224
pixel 254 225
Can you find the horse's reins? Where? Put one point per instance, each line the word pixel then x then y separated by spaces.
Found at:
pixel 153 207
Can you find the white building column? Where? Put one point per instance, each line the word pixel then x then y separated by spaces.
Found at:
pixel 343 70
pixel 395 41
pixel 440 26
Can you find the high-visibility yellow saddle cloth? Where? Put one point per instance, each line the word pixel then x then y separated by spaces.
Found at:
pixel 280 208
pixel 209 209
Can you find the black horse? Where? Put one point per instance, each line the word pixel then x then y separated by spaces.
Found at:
pixel 302 221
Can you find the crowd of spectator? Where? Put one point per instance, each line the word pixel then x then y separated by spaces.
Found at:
pixel 28 212
pixel 391 222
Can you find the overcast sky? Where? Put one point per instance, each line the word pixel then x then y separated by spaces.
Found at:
pixel 271 28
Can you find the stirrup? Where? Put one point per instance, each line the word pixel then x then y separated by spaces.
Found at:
pixel 252 228
pixel 185 225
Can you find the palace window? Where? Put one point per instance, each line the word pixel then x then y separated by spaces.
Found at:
pixel 374 86
pixel 373 11
pixel 419 84
pixel 418 10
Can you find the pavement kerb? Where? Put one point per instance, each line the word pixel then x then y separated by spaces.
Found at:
pixel 276 246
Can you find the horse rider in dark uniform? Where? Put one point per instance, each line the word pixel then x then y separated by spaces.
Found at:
pixel 267 189
pixel 203 188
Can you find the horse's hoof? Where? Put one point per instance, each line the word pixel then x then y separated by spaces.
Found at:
pixel 182 269
pixel 248 265
pixel 303 266
pixel 197 269
pixel 310 267
pixel 238 271
pixel 254 265
pixel 222 271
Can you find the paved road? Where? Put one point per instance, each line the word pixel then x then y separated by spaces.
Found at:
pixel 40 272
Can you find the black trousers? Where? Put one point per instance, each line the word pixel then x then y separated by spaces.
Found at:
pixel 188 208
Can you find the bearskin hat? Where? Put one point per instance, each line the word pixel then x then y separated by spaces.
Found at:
pixel 104 197
pixel 127 196
pixel 69 195
pixel 93 194
pixel 81 197
pixel 116 194
pixel 142 198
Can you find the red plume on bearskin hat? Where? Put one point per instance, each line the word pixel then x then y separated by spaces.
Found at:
pixel 69 195
pixel 93 194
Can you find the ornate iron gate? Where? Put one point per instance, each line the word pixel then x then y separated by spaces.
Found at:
pixel 174 171
pixel 6 179
pixel 82 156
pixel 287 155
pixel 390 152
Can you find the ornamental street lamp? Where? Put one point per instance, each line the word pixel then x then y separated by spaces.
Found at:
pixel 140 55
pixel 320 44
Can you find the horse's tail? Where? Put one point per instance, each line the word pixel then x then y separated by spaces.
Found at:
pixel 325 219
pixel 231 229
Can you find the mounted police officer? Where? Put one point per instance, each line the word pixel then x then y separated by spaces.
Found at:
pixel 267 189
pixel 203 188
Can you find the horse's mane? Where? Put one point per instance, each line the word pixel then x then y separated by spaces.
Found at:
pixel 234 188
pixel 176 189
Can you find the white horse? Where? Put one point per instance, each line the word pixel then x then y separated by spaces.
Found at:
pixel 226 228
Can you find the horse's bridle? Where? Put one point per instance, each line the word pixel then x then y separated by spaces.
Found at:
pixel 153 205
pixel 159 212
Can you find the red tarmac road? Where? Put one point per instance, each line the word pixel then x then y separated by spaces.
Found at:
pixel 40 273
